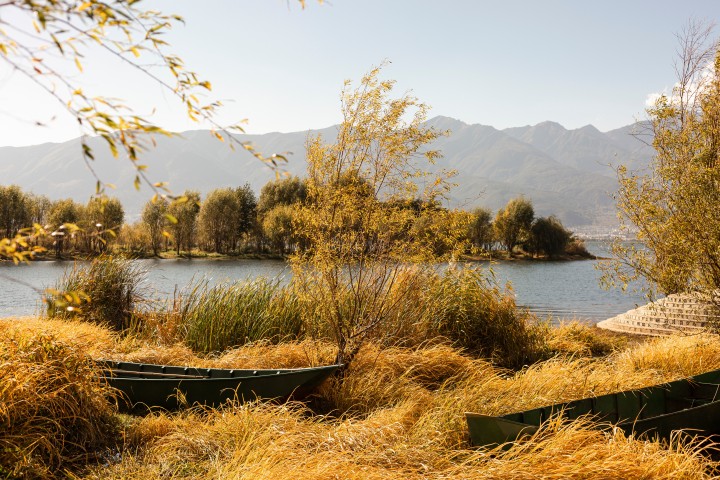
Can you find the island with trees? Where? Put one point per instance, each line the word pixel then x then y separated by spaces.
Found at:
pixel 237 222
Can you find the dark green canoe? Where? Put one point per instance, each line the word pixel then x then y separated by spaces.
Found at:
pixel 691 404
pixel 144 386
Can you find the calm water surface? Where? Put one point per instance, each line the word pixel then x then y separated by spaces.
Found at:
pixel 563 290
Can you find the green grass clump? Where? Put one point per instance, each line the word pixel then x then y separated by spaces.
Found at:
pixel 105 291
pixel 232 314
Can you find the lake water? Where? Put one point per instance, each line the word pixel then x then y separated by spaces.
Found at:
pixel 563 290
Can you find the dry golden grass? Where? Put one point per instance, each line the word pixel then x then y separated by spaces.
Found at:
pixel 279 442
pixel 53 412
pixel 379 378
pixel 575 451
pixel 398 414
pixel 673 357
pixel 579 339
pixel 93 339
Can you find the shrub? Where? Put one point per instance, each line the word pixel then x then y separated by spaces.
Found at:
pixel 105 291
pixel 577 248
pixel 473 312
pixel 548 236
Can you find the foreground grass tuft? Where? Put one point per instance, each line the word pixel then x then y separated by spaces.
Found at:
pixel 53 408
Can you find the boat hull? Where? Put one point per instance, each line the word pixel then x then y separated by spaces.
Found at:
pixel 691 404
pixel 146 386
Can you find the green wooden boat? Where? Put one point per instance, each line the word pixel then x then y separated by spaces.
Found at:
pixel 691 404
pixel 143 386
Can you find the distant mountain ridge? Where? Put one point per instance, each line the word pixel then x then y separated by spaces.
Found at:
pixel 564 172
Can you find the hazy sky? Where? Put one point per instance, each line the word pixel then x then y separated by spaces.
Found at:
pixel 500 63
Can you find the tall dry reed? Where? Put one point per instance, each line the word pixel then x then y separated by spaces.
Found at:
pixel 423 306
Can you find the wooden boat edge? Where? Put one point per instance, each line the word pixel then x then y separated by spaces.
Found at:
pixel 651 424
pixel 489 430
pixel 168 392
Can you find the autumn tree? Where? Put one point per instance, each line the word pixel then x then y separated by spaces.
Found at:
pixel 282 191
pixel 39 209
pixel 135 238
pixel 15 210
pixel 247 214
pixel 673 205
pixel 441 231
pixel 218 222
pixel 156 221
pixel 353 256
pixel 512 222
pixel 184 215
pixel 278 228
pixel 548 236
pixel 103 219
pixel 64 215
pixel 481 229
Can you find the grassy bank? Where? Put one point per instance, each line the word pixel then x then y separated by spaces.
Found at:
pixel 449 342
pixel 399 413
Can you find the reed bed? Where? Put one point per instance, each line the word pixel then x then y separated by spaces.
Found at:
pixel 463 306
pixel 420 307
pixel 231 314
pixel 477 315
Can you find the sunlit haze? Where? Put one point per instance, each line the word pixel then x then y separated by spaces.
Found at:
pixel 496 63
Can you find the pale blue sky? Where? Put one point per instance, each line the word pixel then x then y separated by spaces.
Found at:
pixel 500 63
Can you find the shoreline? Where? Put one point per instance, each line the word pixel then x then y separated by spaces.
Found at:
pixel 502 257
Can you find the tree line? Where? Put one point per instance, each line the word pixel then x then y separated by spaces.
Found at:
pixel 234 221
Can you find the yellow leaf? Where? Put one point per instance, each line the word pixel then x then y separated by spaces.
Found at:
pixel 84 6
pixel 135 51
pixel 78 65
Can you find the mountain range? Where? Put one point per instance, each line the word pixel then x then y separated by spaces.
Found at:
pixel 568 173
